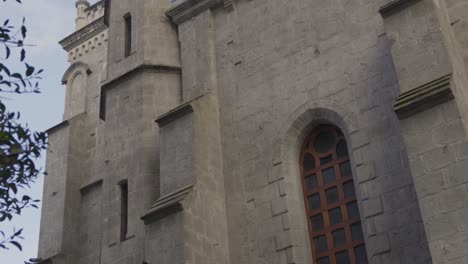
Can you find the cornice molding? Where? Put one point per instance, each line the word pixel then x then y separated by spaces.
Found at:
pixel 167 205
pixel 395 6
pixel 424 97
pixel 83 34
pixel 191 8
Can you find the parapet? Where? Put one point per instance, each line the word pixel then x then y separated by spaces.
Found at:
pixel 87 14
pixel 91 31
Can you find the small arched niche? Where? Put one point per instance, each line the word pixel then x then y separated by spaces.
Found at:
pixel 76 95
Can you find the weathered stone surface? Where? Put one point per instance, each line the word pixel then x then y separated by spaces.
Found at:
pixel 236 87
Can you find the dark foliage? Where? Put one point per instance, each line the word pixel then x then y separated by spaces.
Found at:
pixel 19 145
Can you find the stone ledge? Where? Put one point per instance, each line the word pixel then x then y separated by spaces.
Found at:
pixel 89 185
pixel 64 123
pixel 83 34
pixel 166 205
pixel 47 261
pixel 156 68
pixel 395 6
pixel 174 114
pixel 424 97
pixel 191 8
pixel 178 112
pixel 143 68
pixel 57 127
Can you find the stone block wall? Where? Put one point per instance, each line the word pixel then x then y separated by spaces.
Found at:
pixel 276 60
pixel 436 150
pixel 91 224
pixel 54 195
pixel 432 122
pixel 66 167
pixel 221 182
pixel 154 40
pixel 129 151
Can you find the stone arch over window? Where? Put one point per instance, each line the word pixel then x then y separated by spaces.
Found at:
pixel 334 224
pixel 76 78
pixel 285 170
pixel 77 66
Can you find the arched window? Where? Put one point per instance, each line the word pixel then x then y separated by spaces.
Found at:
pixel 335 229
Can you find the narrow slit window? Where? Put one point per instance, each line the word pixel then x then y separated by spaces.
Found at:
pixel 102 105
pixel 123 210
pixel 128 34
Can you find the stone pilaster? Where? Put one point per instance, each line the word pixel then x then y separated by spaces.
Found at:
pixel 432 112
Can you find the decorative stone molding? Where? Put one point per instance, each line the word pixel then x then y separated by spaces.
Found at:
pixel 424 97
pixel 72 68
pixel 395 6
pixel 191 8
pixel 83 34
pixel 166 205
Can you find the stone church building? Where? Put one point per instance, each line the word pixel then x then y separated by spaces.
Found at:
pixel 261 132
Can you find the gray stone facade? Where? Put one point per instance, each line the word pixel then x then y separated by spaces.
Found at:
pixel 206 117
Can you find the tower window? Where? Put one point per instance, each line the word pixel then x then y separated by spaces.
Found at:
pixel 123 210
pixel 335 229
pixel 128 34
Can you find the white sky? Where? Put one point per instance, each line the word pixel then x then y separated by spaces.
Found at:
pixel 48 21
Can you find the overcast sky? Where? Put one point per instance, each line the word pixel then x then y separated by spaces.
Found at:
pixel 48 21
